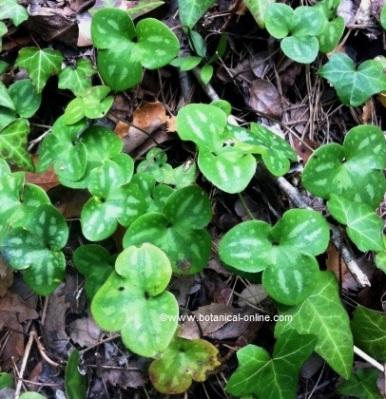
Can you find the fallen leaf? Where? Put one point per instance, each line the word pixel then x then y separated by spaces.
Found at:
pixel 85 332
pixel 265 99
pixel 252 295
pixel 45 180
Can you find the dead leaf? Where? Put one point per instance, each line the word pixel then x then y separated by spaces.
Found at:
pixel 252 295
pixel 45 180
pixel 211 317
pixel 85 332
pixel 265 99
pixel 84 30
pixel 6 277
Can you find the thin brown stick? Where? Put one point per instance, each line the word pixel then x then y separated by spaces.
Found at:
pixel 24 362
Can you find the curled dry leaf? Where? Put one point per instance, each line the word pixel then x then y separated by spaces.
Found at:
pixel 265 99
pixel 85 332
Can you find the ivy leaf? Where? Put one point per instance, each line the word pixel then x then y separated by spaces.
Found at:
pixel 13 143
pixel 36 249
pixel 284 252
pixel 273 377
pixel 27 101
pixel 258 9
pixel 380 257
pixel 133 301
pixel 322 314
pixel 353 170
pixel 192 10
pixel 75 383
pixel 125 48
pixel 354 86
pixel 40 64
pixel 179 230
pixel 368 327
pixel 182 362
pixel 5 99
pixel 96 264
pixel 362 384
pixel 11 9
pixel 94 103
pixel 364 226
pixel 78 79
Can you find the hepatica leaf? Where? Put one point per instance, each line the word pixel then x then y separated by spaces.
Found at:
pixel 36 249
pixel 78 79
pixel 322 314
pixel 368 327
pixel 133 301
pixel 192 10
pixel 364 226
pixel 182 362
pixel 178 230
pixel 353 170
pixel 96 265
pixel 40 64
pixel 286 252
pixel 258 9
pixel 271 377
pixel 354 86
pixel 362 384
pixel 125 49
pixel 24 96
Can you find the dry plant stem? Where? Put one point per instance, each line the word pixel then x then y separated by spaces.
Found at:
pixel 369 359
pixel 295 196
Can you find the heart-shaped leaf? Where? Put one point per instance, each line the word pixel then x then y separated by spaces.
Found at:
pixel 327 320
pixel 182 362
pixel 362 384
pixel 275 376
pixel 96 264
pixel 364 226
pixel 5 99
pixel 354 86
pixel 302 49
pixel 40 64
pixel 78 79
pixel 258 8
pixel 36 249
pixel 13 143
pixel 284 252
pixel 11 9
pixel 120 58
pixel 192 10
pixel 278 20
pixel 368 327
pixel 331 34
pixel 353 170
pixel 133 301
pixel 24 96
pixel 179 230
pixel 93 103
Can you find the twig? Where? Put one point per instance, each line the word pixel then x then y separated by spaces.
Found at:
pixel 27 351
pixel 43 353
pixel 369 359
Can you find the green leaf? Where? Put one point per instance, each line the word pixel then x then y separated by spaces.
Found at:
pixel 11 9
pixel 362 384
pixel 133 301
pixel 331 34
pixel 32 395
pixel 302 49
pixel 354 86
pixel 383 17
pixel 273 377
pixel 75 383
pixel 78 79
pixel 13 143
pixel 6 380
pixel 96 264
pixel 94 103
pixel 353 170
pixel 322 314
pixel 143 7
pixel 308 21
pixel 5 99
pixel 278 20
pixel 182 362
pixel 186 63
pixel 258 9
pixel 206 73
pixel 179 232
pixel 125 49
pixel 364 226
pixel 40 64
pixel 192 10
pixel 285 252
pixel 27 101
pixel 380 257
pixel 368 327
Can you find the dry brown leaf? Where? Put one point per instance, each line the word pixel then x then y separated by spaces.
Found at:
pixel 85 332
pixel 253 294
pixel 265 99
pixel 6 277
pixel 45 180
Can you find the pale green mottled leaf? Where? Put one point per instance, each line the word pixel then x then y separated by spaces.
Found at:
pixel 322 314
pixel 25 98
pixel 331 34
pixel 258 9
pixel 32 395
pixel 278 20
pixel 11 9
pixel 192 10
pixel 302 49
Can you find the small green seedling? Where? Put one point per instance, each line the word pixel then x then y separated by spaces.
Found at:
pixel 182 362
pixel 179 230
pixel 225 151
pixel 133 301
pixel 40 64
pixel 354 86
pixel 124 49
pixel 75 383
pixel 36 248
pixel 322 314
pixel 96 264
pixel 362 384
pixel 297 29
pixel 285 252
pixel 93 103
pixel 275 376
pixel 77 79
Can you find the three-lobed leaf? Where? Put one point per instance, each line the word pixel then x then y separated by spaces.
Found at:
pixel 77 79
pixel 362 384
pixel 11 9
